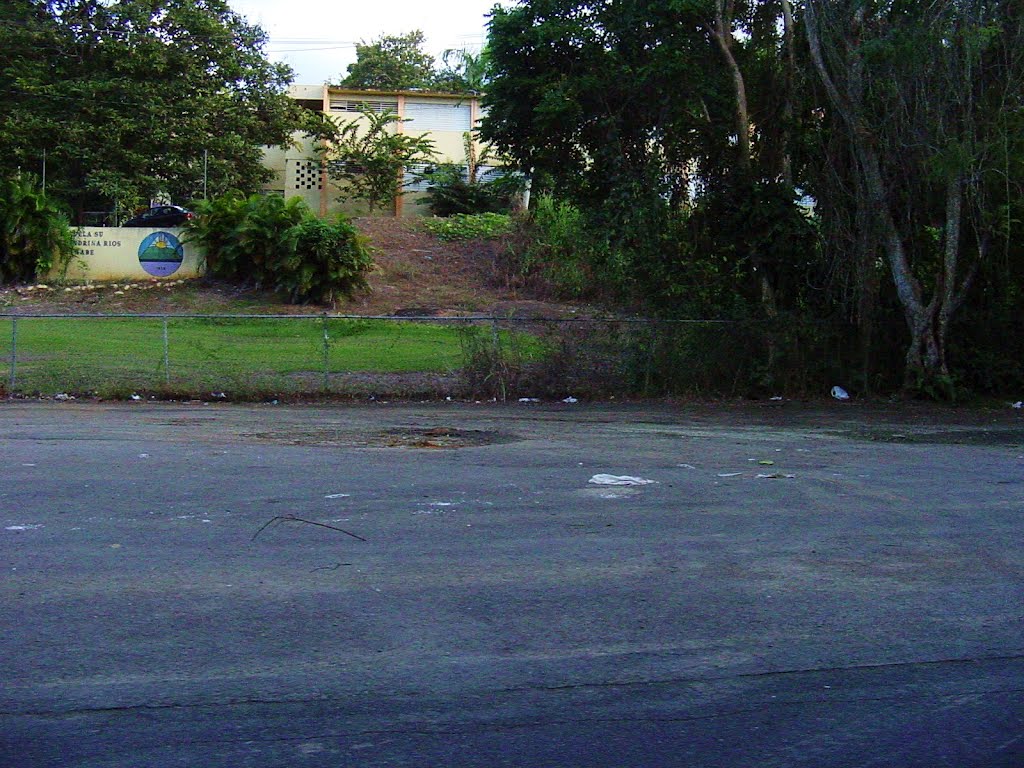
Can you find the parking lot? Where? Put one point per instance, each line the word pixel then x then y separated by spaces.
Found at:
pixel 510 585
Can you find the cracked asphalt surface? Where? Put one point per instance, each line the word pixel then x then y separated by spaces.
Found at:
pixel 862 605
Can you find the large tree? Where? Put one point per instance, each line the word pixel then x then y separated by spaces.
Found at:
pixel 136 98
pixel 638 110
pixel 390 63
pixel 923 96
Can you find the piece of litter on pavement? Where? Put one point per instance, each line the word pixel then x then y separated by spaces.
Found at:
pixel 766 462
pixel 529 399
pixel 22 527
pixel 840 394
pixel 136 397
pixel 620 480
pixel 570 400
pixel 776 398
pixel 686 466
pixel 143 455
pixel 63 396
pixel 1018 404
pixel 337 495
pixel 729 474
pixel 774 476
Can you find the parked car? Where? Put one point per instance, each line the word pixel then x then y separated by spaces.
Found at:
pixel 161 216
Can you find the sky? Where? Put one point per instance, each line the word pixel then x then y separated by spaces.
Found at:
pixel 317 38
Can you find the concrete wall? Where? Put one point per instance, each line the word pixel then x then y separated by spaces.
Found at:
pixel 131 253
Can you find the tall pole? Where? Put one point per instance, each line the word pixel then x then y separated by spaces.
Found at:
pixel 206 170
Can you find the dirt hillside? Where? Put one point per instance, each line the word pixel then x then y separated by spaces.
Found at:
pixel 414 274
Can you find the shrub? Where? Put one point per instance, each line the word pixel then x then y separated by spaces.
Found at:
pixel 34 234
pixel 450 192
pixel 329 258
pixel 554 244
pixel 268 242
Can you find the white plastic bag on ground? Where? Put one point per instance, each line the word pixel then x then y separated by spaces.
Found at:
pixel 620 480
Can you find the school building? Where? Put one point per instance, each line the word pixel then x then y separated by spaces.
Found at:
pixel 300 171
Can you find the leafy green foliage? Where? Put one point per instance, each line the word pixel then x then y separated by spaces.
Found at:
pixel 763 232
pixel 615 109
pixel 367 156
pixel 391 63
pixel 593 95
pixel 128 99
pixel 329 258
pixel 267 242
pixel 555 243
pixel 34 232
pixel 398 63
pixel 450 191
pixel 463 71
pixel 466 226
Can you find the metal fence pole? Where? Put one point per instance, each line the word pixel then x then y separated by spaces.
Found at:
pixel 499 364
pixel 167 355
pixel 327 352
pixel 14 355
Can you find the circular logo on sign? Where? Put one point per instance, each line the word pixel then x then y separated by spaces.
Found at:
pixel 161 253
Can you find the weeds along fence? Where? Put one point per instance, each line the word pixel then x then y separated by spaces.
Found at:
pixel 247 357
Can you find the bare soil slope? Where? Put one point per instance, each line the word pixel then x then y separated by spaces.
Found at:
pixel 414 274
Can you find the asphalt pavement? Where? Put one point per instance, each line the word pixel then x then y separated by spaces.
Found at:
pixel 527 584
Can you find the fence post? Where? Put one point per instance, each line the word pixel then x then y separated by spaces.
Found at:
pixel 652 351
pixel 499 364
pixel 14 355
pixel 327 354
pixel 167 356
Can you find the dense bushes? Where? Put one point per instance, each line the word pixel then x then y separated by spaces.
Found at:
pixel 453 190
pixel 34 233
pixel 270 243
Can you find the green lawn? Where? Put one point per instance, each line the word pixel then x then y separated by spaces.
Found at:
pixel 119 355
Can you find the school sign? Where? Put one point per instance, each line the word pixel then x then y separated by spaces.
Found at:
pixel 131 253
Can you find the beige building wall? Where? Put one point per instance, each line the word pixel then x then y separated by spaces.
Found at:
pixel 299 172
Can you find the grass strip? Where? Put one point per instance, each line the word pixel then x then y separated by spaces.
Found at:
pixel 115 356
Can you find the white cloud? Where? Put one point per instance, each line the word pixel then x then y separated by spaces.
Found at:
pixel 317 39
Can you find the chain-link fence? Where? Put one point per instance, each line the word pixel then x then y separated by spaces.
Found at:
pixel 257 356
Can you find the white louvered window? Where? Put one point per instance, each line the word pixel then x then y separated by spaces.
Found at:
pixel 490 172
pixel 438 116
pixel 412 181
pixel 358 105
pixel 339 167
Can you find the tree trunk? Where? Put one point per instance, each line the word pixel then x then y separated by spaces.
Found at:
pixel 927 322
pixel 722 32
pixel 789 45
